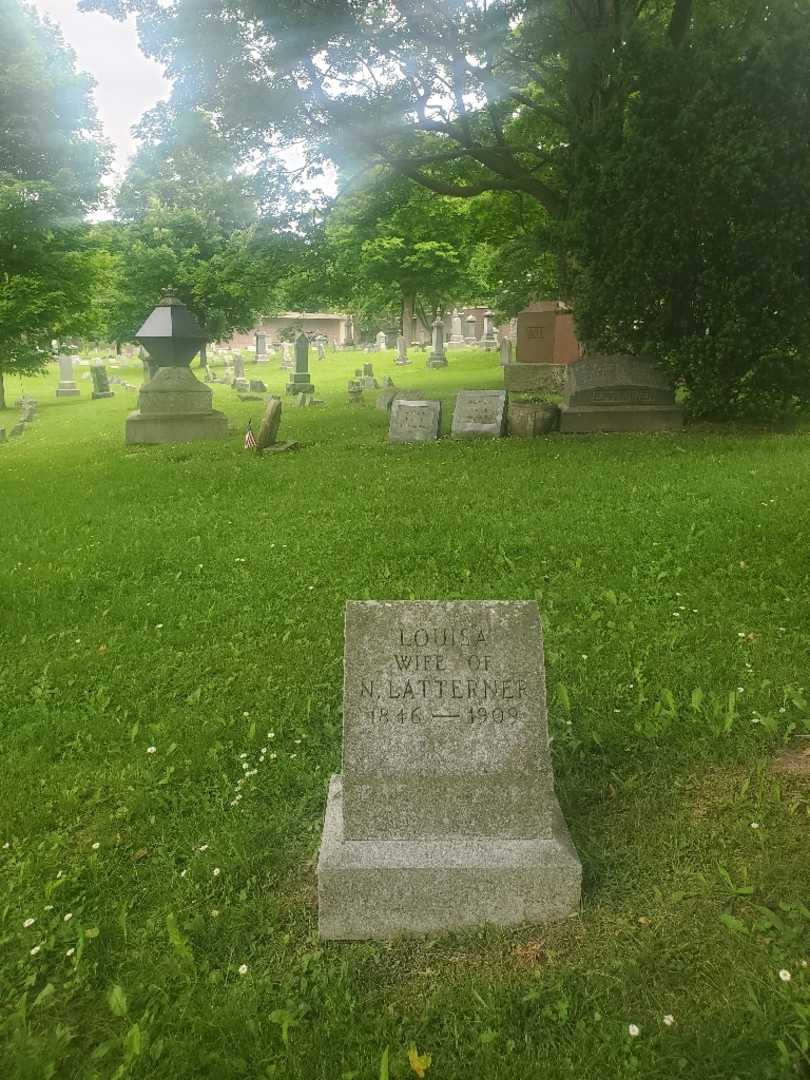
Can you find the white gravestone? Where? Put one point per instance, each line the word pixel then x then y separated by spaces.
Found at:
pixel 414 421
pixel 479 412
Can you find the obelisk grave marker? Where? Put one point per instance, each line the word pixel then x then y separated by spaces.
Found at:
pixel 445 815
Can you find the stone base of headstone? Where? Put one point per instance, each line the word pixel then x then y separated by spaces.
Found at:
pixel 403 363
pixel 242 385
pixel 279 448
pixel 436 360
pixel 101 394
pixel 175 407
pixel 522 378
pixel 299 384
pixel 527 419
pixel 381 888
pixel 581 419
pixel 257 386
pixel 67 390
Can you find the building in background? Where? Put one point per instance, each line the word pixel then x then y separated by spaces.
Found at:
pixel 288 324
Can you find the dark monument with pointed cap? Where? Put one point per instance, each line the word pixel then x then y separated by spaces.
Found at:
pixel 174 406
pixel 299 379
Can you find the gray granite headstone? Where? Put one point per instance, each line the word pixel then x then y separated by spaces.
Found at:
pixel 67 386
pixel 299 379
pixel 268 429
pixel 618 393
pixel 414 421
pixel 257 386
pixel 437 357
pixel 445 814
pixel 479 412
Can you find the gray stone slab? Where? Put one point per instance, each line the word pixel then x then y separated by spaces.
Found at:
pixel 582 419
pixel 479 412
pixel 444 721
pixel 525 378
pixel 381 888
pixel 617 379
pixel 414 421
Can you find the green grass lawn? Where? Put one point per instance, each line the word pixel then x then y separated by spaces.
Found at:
pixel 172 614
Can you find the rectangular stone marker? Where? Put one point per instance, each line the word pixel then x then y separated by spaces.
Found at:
pixel 101 383
pixel 445 816
pixel 479 412
pixel 535 337
pixel 618 393
pixel 67 387
pixel 414 421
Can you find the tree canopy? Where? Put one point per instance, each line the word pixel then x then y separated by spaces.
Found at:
pixel 51 164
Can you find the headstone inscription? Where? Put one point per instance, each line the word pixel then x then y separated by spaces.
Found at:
pixel 414 421
pixel 299 379
pixel 618 393
pixel 445 814
pixel 389 395
pixel 479 412
pixel 67 386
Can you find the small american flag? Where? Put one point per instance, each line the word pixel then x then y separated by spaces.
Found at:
pixel 250 438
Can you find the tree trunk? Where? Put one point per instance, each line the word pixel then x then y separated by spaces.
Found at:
pixel 406 314
pixel 203 356
pixel 2 391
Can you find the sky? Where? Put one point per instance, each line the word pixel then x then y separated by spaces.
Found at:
pixel 127 84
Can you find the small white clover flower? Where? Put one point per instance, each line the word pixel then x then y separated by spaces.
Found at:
pixel 29 922
pixel 96 846
pixel 68 917
pixel 754 824
pixel 217 871
pixel 159 626
pixel 214 913
pixel 35 950
pixel 151 749
pixel 203 847
pixel 243 756
pixel 633 1030
pixel 6 846
pixel 243 969
pixel 49 907
pixel 669 1020
pixel 785 975
pixel 70 951
pixel 183 872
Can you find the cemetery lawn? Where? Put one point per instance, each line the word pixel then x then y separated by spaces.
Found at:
pixel 170 691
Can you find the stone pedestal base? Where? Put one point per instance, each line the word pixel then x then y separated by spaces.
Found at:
pixel 67 390
pixel 175 428
pixel 381 888
pixel 300 388
pixel 436 361
pixel 528 377
pixel 101 394
pixel 580 419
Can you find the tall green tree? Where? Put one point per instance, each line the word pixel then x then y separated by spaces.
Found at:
pixel 52 159
pixel 190 222
pixel 548 100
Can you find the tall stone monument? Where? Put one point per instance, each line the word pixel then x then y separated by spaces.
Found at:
pixel 618 393
pixel 380 341
pixel 445 815
pixel 240 380
pixel 471 339
pixel 67 386
pixel 489 341
pixel 299 378
pixel 173 406
pixel 438 357
pixel 261 349
pixel 402 351
pixel 456 333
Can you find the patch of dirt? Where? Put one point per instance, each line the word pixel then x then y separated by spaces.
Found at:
pixel 531 953
pixel 714 791
pixel 793 760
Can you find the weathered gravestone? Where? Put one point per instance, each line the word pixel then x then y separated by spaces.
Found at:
pixel 489 341
pixel 261 349
pixel 402 351
pixel 386 398
pixel 380 341
pixel 257 386
pixel 479 412
pixel 268 429
pixel 67 386
pixel 445 815
pixel 299 379
pixel 437 357
pixel 101 384
pixel 471 339
pixel 456 335
pixel 240 381
pixel 618 393
pixel 18 429
pixel 506 352
pixel 414 421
